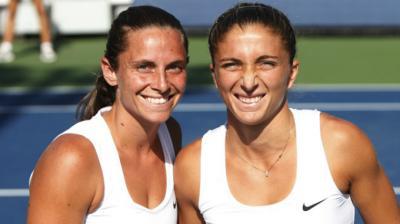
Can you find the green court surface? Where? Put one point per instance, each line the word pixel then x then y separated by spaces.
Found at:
pixel 324 60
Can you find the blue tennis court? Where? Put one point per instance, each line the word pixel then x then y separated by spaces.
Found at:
pixel 30 120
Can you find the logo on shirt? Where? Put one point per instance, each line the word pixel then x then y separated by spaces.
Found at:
pixel 174 204
pixel 309 207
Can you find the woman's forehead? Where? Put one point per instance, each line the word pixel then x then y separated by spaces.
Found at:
pixel 251 34
pixel 251 41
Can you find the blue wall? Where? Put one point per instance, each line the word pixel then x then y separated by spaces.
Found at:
pixel 300 12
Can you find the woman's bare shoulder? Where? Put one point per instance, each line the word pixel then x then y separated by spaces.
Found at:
pixel 66 180
pixel 69 160
pixel 348 148
pixel 70 150
pixel 341 132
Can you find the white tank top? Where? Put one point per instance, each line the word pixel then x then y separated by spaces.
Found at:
pixel 117 205
pixel 314 197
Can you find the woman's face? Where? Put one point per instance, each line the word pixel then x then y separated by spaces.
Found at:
pixel 252 71
pixel 151 75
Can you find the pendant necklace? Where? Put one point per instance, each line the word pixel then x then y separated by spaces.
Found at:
pixel 266 172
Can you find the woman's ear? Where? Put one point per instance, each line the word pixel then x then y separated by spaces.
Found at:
pixel 293 73
pixel 108 72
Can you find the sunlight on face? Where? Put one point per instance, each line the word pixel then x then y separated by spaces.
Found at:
pixel 152 73
pixel 252 72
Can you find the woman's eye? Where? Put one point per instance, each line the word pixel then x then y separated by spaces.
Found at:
pixel 175 69
pixel 144 68
pixel 267 64
pixel 230 66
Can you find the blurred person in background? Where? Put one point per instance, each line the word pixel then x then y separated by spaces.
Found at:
pixel 116 165
pixel 47 53
pixel 270 163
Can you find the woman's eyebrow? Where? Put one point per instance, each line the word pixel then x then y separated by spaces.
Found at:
pixel 139 62
pixel 229 59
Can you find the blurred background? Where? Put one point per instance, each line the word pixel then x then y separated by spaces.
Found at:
pixel 344 41
pixel 348 49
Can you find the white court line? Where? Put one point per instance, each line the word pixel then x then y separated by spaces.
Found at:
pixel 48 90
pixel 397 190
pixel 200 107
pixel 298 87
pixel 212 107
pixel 25 192
pixel 351 106
pixel 38 109
pixel 14 192
pixel 346 87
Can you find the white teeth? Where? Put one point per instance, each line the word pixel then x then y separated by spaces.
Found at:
pixel 249 100
pixel 156 100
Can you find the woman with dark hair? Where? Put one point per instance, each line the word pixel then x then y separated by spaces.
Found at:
pixel 116 165
pixel 270 163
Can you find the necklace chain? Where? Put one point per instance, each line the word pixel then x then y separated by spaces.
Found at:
pixel 267 171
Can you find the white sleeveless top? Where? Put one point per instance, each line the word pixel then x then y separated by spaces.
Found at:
pixel 314 197
pixel 117 205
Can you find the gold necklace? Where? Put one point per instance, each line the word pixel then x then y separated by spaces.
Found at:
pixel 268 170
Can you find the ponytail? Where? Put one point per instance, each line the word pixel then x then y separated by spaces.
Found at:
pixel 101 96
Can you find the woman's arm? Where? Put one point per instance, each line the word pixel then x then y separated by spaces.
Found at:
pixel 65 183
pixel 356 171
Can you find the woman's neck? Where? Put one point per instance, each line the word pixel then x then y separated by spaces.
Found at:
pixel 128 132
pixel 266 136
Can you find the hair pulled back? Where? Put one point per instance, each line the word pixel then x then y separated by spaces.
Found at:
pixel 132 19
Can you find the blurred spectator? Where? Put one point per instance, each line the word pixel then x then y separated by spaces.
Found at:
pixel 47 53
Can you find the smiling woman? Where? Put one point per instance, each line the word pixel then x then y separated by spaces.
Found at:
pixel 270 163
pixel 253 76
pixel 116 165
pixel 151 75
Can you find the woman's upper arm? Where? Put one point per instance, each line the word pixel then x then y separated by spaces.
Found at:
pixel 370 188
pixel 64 182
pixel 354 163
